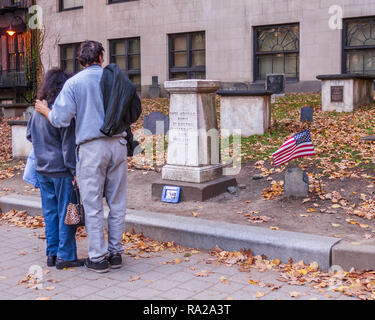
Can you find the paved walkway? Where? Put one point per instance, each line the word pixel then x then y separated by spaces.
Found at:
pixel 139 279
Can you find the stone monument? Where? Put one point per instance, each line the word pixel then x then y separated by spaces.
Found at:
pixel 346 92
pixel 193 149
pixel 245 110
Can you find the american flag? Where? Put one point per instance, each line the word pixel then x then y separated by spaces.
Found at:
pixel 300 145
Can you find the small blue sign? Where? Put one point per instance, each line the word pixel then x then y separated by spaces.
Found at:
pixel 171 194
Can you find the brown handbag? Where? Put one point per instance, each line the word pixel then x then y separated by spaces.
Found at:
pixel 75 213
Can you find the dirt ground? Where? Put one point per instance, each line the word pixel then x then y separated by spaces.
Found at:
pixel 285 214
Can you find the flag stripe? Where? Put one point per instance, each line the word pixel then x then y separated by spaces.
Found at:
pixel 300 145
pixel 285 146
pixel 294 149
pixel 301 153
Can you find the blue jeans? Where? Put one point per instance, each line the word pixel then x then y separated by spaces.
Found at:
pixel 55 194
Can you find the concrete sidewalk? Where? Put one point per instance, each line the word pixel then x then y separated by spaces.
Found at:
pixel 204 234
pixel 154 277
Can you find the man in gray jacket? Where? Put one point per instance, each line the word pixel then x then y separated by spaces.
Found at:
pixel 101 160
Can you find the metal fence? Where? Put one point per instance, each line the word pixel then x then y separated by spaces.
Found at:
pixel 12 78
pixel 9 4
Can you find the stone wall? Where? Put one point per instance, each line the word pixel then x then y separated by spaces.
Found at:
pixel 228 26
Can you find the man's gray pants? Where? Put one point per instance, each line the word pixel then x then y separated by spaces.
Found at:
pixel 102 170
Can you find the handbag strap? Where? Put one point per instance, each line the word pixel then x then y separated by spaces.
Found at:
pixel 78 195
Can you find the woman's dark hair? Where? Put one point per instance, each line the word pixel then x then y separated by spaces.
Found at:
pixel 89 52
pixel 52 84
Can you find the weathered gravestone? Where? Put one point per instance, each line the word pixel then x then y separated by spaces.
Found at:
pixel 193 142
pixel 307 114
pixel 155 88
pixel 346 92
pixel 246 110
pixel 156 123
pixel 368 138
pixel 276 83
pixel 240 86
pixel 28 113
pixel 296 183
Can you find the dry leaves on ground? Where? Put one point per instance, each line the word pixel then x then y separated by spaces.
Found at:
pixel 364 210
pixel 276 190
pixel 22 219
pixel 352 284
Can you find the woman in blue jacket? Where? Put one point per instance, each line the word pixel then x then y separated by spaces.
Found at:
pixel 55 164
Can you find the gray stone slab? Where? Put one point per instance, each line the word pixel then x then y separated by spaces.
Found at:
pixel 194 191
pixel 347 256
pixel 204 234
pixel 33 205
pixel 369 138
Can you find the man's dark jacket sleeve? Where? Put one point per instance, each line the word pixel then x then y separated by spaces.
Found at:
pixel 122 104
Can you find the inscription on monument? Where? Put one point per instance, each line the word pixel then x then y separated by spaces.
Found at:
pixel 337 94
pixel 182 123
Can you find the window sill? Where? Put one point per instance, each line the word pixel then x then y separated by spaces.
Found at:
pixel 71 9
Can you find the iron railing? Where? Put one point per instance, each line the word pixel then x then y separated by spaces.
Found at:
pixel 14 4
pixel 12 78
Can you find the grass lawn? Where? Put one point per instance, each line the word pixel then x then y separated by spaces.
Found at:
pixel 336 136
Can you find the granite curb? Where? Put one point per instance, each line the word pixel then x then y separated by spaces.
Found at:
pixel 206 234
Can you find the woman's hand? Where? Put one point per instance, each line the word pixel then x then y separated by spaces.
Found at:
pixel 42 107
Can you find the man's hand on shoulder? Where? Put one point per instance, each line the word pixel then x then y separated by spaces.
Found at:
pixel 42 107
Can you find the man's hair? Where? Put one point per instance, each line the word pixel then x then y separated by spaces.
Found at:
pixel 52 84
pixel 89 52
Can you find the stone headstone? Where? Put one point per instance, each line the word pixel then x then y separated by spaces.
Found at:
pixel 276 83
pixel 296 183
pixel 368 138
pixel 28 113
pixel 240 86
pixel 193 145
pixel 155 88
pixel 307 114
pixel 157 123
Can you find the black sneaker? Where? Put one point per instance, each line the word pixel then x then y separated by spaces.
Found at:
pixel 51 261
pixel 61 264
pixel 100 267
pixel 115 261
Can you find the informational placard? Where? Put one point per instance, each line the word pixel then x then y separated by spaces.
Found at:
pixel 337 94
pixel 171 194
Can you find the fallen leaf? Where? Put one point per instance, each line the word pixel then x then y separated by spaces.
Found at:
pixel 224 280
pixel 259 295
pixel 203 273
pixel 50 288
pixel 294 294
pixel 134 278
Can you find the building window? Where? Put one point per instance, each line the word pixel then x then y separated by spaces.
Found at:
pixel 359 46
pixel 16 55
pixel 187 56
pixel 126 53
pixel 276 51
pixel 70 4
pixel 117 1
pixel 68 58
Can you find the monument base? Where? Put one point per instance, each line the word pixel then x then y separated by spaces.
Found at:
pixel 195 192
pixel 192 174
